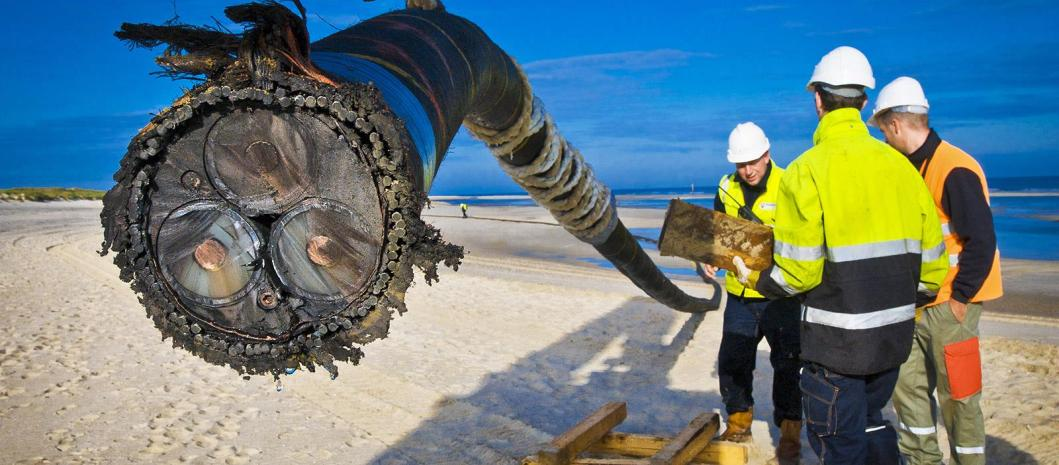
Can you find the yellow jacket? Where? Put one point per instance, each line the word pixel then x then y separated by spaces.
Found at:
pixel 764 208
pixel 856 233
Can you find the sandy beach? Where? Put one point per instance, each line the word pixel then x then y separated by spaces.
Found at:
pixel 524 340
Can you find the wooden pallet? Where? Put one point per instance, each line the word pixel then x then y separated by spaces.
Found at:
pixel 591 442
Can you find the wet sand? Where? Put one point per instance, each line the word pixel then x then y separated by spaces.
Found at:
pixel 528 337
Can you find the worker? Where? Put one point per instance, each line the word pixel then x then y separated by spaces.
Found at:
pixel 463 209
pixel 945 352
pixel 750 193
pixel 856 237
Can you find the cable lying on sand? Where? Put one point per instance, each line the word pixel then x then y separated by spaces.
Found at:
pixel 270 217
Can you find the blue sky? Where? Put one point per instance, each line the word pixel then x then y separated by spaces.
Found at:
pixel 648 91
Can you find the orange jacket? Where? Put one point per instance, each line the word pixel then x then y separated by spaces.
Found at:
pixel 936 170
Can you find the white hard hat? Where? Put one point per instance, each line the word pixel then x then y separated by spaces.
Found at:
pixel 843 66
pixel 747 142
pixel 903 94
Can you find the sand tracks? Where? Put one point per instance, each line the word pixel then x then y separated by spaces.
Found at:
pixel 486 365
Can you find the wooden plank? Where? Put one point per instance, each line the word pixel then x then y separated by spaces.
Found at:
pixel 692 440
pixel 563 449
pixel 614 461
pixel 708 236
pixel 594 461
pixel 727 453
pixel 641 445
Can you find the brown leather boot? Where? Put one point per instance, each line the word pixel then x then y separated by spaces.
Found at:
pixel 738 429
pixel 789 450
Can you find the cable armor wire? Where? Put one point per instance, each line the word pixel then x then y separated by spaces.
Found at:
pixel 560 180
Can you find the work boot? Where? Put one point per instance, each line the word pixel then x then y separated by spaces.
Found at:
pixel 789 450
pixel 738 428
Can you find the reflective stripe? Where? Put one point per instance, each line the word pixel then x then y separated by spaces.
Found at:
pixel 797 252
pixel 849 253
pixel 919 430
pixel 970 450
pixel 923 288
pixel 954 259
pixel 777 275
pixel 934 253
pixel 945 230
pixel 874 428
pixel 869 320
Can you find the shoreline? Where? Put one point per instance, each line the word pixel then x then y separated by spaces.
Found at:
pixel 684 195
pixel 1031 287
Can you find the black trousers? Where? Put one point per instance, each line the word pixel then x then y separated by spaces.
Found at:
pixel 746 322
pixel 843 416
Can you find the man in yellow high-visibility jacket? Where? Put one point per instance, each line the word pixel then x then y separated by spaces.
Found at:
pixel 750 193
pixel 857 237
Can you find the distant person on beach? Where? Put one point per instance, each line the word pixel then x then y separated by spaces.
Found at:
pixel 945 353
pixel 463 209
pixel 750 193
pixel 856 236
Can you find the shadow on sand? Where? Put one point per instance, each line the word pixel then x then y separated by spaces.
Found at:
pixel 1000 452
pixel 624 355
pixel 627 355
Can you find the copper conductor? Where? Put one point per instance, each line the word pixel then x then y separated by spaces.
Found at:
pixel 321 251
pixel 210 254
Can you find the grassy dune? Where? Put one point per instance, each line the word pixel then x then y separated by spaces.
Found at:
pixel 45 194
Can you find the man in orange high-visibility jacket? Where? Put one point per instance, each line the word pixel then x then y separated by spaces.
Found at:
pixel 945 349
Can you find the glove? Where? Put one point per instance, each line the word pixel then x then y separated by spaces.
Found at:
pixel 745 275
pixel 742 272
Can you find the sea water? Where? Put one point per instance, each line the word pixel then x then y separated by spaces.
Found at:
pixel 1025 214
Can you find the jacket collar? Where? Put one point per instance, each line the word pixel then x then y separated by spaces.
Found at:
pixel 841 122
pixel 925 151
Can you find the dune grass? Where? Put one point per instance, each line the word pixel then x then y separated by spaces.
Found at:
pixel 46 194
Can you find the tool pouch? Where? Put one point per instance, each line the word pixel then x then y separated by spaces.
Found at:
pixel 819 397
pixel 963 364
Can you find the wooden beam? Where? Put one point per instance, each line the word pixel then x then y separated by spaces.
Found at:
pixel 619 461
pixel 594 461
pixel 708 236
pixel 692 440
pixel 563 449
pixel 642 445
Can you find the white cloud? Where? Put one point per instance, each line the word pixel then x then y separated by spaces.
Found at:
pixel 764 7
pixel 575 67
pixel 842 32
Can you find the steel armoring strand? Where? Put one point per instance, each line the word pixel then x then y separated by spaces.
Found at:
pixel 461 77
pixel 560 179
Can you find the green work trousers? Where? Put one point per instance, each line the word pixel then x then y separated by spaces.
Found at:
pixel 944 358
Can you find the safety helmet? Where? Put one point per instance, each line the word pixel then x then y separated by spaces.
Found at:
pixel 747 142
pixel 843 66
pixel 904 94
